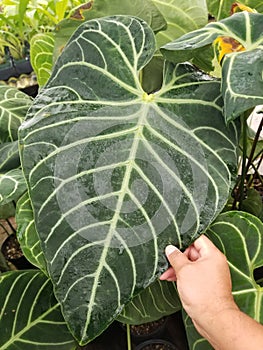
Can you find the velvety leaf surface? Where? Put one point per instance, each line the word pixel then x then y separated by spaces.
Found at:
pixel 158 300
pixel 242 79
pixel 30 316
pixel 115 174
pixel 26 233
pixel 12 186
pixel 41 56
pixel 239 236
pixel 13 108
pixel 221 9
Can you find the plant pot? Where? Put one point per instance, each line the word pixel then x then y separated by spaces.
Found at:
pixel 156 344
pixel 15 68
pixel 146 331
pixel 12 252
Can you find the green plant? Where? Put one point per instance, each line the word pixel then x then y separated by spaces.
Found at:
pixel 21 20
pixel 99 152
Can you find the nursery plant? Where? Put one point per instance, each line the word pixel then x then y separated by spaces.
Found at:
pixel 113 174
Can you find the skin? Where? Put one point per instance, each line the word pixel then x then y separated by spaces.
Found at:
pixel 204 285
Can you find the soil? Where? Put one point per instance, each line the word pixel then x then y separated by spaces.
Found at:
pixel 158 347
pixel 11 248
pixel 146 328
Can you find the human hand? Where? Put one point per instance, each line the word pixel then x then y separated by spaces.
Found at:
pixel 203 280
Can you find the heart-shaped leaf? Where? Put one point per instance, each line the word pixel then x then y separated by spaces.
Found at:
pixel 158 300
pixel 242 79
pixel 26 233
pixel 239 236
pixel 115 174
pixel 30 316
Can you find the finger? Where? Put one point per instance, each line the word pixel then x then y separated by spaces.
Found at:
pixel 193 253
pixel 203 245
pixel 176 258
pixel 168 275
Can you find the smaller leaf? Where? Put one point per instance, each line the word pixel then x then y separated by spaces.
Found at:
pixel 12 186
pixel 13 108
pixel 242 81
pixel 30 316
pixel 253 202
pixel 158 300
pixel 7 210
pixel 41 56
pixel 9 156
pixel 27 234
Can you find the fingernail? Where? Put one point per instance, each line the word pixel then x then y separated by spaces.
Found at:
pixel 170 249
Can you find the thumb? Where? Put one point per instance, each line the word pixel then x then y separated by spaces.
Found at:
pixel 176 258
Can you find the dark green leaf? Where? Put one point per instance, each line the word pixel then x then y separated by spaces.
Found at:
pixel 30 316
pixel 115 174
pixel 27 234
pixel 253 202
pixel 7 210
pixel 242 79
pixel 13 108
pixel 12 186
pixel 158 300
pixel 9 156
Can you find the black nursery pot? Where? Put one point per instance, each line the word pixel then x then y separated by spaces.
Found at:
pixel 156 344
pixel 15 68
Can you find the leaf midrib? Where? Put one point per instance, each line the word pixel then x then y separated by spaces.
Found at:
pixel 123 192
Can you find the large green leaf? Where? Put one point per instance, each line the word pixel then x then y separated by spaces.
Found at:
pixel 27 234
pixel 242 78
pixel 181 18
pixel 41 56
pixel 13 108
pixel 221 9
pixel 12 186
pixel 115 174
pixel 158 300
pixel 239 236
pixel 30 316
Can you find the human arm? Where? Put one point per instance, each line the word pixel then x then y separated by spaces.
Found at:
pixel 204 285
